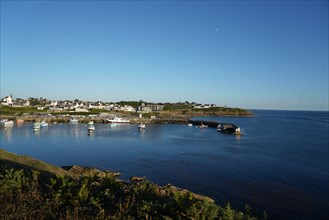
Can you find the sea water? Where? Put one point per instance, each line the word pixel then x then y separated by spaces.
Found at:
pixel 279 164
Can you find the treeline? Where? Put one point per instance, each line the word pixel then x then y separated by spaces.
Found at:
pixel 176 106
pixel 185 109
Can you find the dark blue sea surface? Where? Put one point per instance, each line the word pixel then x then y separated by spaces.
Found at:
pixel 279 164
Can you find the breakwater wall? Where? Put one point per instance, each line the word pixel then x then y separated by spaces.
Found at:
pixel 213 124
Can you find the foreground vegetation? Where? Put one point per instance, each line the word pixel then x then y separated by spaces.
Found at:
pixel 31 189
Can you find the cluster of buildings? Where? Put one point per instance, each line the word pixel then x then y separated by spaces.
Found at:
pixel 76 105
pixel 82 106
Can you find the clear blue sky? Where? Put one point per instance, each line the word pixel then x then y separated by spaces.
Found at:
pixel 249 54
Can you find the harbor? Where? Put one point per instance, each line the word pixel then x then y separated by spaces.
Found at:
pixel 253 168
pixel 228 128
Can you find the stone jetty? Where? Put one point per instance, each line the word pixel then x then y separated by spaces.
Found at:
pixel 228 128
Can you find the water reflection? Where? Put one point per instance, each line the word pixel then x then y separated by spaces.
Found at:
pixel 91 136
pixel 238 138
pixel 141 132
pixel 36 131
pixel 74 130
pixel 8 132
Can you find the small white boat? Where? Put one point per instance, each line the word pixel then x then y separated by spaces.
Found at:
pixel 36 126
pixel 74 121
pixel 91 127
pixel 238 131
pixel 6 122
pixel 118 120
pixel 190 125
pixel 141 127
pixel 44 124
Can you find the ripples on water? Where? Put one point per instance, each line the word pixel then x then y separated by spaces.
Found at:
pixel 280 164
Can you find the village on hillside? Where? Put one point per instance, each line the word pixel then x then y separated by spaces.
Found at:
pixel 85 106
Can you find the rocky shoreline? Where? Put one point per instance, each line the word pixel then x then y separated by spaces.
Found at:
pixel 11 160
pixel 33 189
pixel 159 118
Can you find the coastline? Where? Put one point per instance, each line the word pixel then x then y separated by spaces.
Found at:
pixel 163 117
pixel 38 189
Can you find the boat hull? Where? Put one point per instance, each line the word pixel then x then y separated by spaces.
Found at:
pixel 7 123
pixel 141 127
pixel 118 120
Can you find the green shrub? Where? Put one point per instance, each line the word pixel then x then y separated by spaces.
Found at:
pixel 26 195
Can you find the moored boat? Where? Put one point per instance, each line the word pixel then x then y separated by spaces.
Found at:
pixel 141 127
pixel 36 126
pixel 238 131
pixel 19 121
pixel 91 127
pixel 44 124
pixel 6 122
pixel 73 121
pixel 118 120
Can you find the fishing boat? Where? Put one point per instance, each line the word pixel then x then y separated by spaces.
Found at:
pixel 6 122
pixel 141 127
pixel 118 120
pixel 91 127
pixel 36 126
pixel 238 131
pixel 19 121
pixel 44 124
pixel 73 121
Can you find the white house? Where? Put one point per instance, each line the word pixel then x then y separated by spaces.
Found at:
pixel 127 108
pixel 8 100
pixel 98 105
pixel 53 103
pixel 81 110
